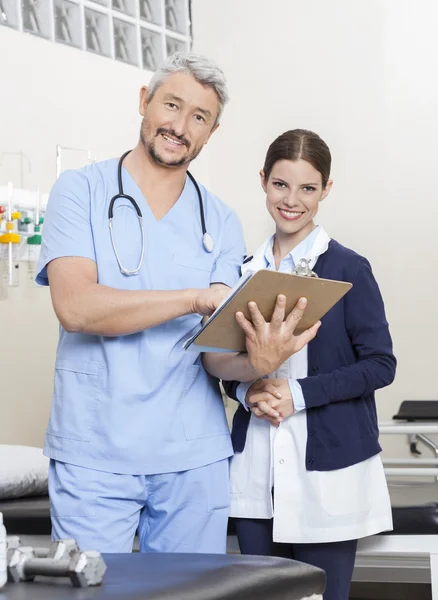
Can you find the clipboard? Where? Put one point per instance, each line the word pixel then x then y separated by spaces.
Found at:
pixel 221 333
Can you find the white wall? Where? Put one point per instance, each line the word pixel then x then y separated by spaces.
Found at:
pixel 50 94
pixel 362 75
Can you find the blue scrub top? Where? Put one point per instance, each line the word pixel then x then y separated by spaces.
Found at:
pixel 139 403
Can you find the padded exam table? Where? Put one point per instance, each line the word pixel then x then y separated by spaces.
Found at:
pixel 185 577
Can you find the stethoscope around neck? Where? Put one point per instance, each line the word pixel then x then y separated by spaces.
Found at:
pixel 207 240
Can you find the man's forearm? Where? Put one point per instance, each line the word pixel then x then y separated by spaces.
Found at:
pixel 101 310
pixel 229 366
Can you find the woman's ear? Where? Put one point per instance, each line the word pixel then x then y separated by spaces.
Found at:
pixel 263 180
pixel 326 190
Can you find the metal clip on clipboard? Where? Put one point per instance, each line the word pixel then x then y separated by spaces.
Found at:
pixel 303 268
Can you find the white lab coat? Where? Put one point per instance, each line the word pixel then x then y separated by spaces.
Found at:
pixel 310 506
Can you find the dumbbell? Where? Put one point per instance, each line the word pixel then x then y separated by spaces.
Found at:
pixel 83 568
pixel 58 549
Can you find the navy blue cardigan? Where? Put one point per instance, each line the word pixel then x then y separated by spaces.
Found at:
pixel 349 359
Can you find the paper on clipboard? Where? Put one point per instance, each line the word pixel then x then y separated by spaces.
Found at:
pixel 221 333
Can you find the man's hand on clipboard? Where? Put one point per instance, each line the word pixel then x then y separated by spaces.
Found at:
pixel 269 345
pixel 207 300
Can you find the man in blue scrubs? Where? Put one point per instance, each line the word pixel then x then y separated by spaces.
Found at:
pixel 137 436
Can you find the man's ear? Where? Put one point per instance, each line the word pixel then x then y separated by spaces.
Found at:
pixel 144 99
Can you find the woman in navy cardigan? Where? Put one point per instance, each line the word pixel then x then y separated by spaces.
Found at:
pixel 306 479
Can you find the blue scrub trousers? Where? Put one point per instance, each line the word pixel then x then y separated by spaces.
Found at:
pixel 173 512
pixel 335 558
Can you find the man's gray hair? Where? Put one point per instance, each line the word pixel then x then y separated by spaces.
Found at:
pixel 204 70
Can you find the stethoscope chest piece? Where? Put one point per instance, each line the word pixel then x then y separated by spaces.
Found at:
pixel 207 240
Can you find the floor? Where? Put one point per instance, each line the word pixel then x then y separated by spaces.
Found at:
pixel 390 591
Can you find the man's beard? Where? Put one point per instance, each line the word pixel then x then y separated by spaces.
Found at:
pixel 149 146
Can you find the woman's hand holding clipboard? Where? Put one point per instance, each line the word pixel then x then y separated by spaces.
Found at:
pixel 222 332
